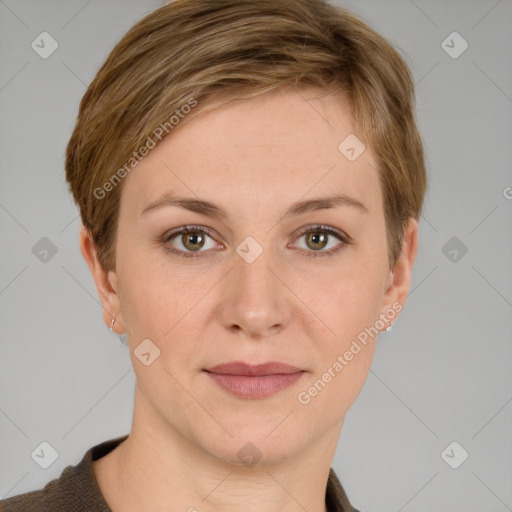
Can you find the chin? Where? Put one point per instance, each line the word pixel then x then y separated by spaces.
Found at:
pixel 249 451
pixel 257 438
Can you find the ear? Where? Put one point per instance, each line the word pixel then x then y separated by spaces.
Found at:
pixel 106 283
pixel 399 281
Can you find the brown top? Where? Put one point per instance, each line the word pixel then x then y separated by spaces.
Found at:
pixel 76 490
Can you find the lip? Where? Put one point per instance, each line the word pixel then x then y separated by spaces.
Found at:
pixel 252 370
pixel 254 380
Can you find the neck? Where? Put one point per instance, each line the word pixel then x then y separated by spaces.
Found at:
pixel 157 469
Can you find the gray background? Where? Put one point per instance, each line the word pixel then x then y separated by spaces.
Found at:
pixel 442 374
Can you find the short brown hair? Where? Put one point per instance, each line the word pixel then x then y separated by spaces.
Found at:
pixel 200 50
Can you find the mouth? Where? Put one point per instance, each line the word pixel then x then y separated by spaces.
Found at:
pixel 254 380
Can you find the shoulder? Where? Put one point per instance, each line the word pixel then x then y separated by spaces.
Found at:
pixel 55 496
pixel 336 498
pixel 75 489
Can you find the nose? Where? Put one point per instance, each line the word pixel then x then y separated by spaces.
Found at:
pixel 255 298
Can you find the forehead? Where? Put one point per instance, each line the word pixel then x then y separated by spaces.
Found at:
pixel 259 153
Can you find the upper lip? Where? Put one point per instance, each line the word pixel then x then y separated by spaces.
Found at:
pixel 252 370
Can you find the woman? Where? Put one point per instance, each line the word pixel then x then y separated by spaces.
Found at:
pixel 249 177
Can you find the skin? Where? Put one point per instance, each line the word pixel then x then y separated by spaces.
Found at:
pixel 254 158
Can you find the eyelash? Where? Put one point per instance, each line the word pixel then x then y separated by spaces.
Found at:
pixel 308 254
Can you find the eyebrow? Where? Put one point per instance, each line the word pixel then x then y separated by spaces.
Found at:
pixel 212 210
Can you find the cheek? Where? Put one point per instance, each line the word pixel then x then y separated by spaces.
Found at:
pixel 153 296
pixel 167 304
pixel 346 301
pixel 349 305
pixel 329 394
pixel 350 308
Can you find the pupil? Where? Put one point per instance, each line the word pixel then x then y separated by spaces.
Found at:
pixel 318 239
pixel 193 239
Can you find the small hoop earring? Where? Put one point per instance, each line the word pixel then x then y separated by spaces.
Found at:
pixel 122 337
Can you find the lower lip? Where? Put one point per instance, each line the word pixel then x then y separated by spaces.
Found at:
pixel 260 386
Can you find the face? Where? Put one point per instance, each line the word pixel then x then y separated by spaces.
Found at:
pixel 286 290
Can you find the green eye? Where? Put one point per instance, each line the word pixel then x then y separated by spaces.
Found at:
pixel 318 238
pixel 189 240
pixel 195 241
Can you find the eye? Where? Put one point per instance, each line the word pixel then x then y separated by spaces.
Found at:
pixel 318 238
pixel 189 241
pixel 195 241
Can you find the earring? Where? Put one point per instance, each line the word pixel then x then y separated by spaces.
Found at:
pixel 122 337
pixel 388 328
